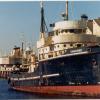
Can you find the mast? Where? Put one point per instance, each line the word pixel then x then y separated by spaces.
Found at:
pixel 65 15
pixel 22 48
pixel 67 10
pixel 22 52
pixel 42 27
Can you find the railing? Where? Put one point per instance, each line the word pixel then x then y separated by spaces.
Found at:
pixel 63 52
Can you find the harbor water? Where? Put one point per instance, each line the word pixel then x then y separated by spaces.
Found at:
pixel 7 93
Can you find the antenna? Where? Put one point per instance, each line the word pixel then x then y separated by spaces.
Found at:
pixel 22 47
pixel 67 9
pixel 41 4
pixel 65 14
pixel 42 28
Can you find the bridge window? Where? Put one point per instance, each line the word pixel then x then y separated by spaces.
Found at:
pixel 51 47
pixel 79 45
pixel 66 31
pixel 71 31
pixel 56 32
pixel 51 33
pixel 42 50
pixel 62 31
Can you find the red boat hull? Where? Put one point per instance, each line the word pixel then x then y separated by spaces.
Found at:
pixel 87 90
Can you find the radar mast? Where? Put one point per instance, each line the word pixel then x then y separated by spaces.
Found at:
pixel 43 24
pixel 66 10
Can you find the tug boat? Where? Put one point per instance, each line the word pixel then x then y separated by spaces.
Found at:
pixel 68 59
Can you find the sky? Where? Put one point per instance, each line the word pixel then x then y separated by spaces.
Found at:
pixel 20 21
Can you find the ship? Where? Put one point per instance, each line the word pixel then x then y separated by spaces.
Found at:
pixel 68 59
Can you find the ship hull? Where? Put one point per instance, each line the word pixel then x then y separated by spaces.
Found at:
pixel 88 90
pixel 67 75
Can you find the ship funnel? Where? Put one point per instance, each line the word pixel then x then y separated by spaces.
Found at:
pixel 84 17
pixel 52 25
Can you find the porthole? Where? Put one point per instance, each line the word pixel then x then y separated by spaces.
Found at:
pixel 64 45
pixel 71 44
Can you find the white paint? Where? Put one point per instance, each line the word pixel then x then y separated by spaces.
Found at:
pixel 4 60
pixel 74 51
pixel 37 77
pixel 67 55
pixel 70 25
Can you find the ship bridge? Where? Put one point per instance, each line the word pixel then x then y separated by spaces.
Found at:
pixel 80 24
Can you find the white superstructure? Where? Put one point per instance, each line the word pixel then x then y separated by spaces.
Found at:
pixel 4 60
pixel 67 34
